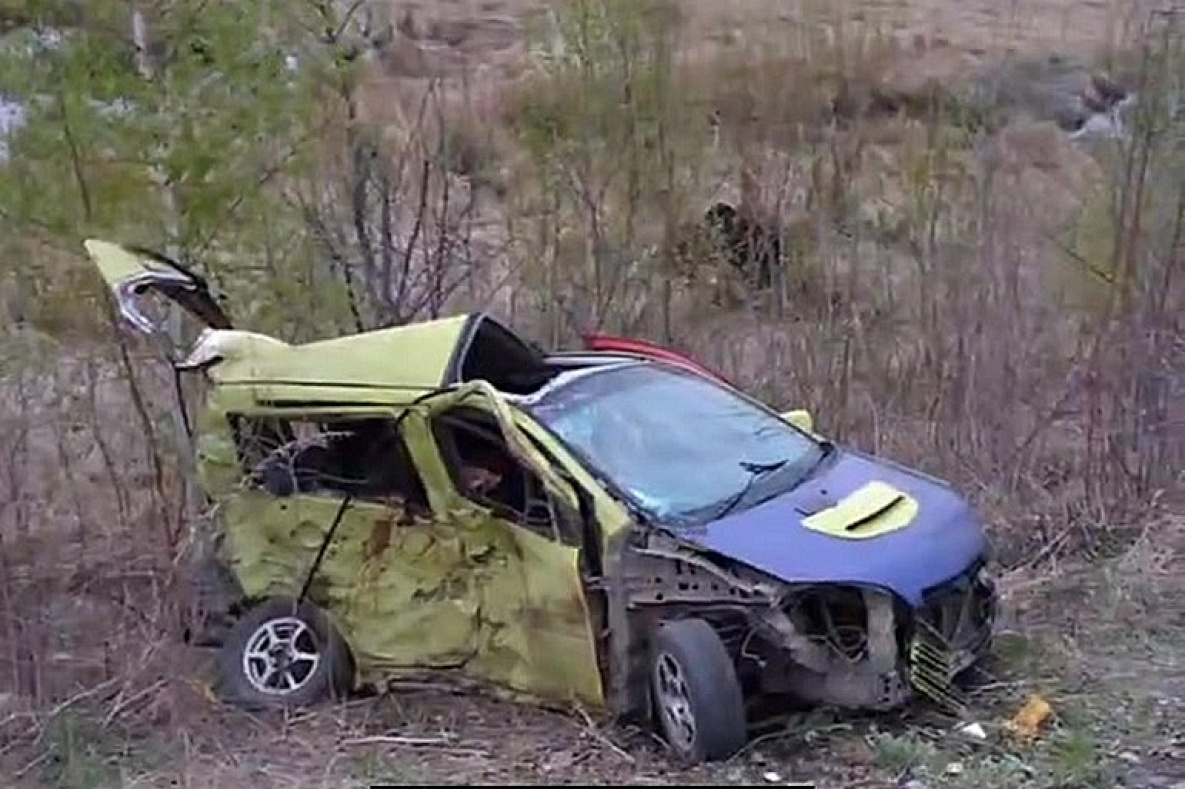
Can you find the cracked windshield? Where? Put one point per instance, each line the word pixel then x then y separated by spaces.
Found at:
pixel 680 446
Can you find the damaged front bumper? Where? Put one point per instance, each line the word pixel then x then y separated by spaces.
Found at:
pixel 863 648
pixel 952 632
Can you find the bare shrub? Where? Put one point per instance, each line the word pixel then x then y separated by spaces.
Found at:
pixel 946 326
pixel 394 220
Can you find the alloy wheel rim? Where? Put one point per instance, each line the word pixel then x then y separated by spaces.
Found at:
pixel 281 656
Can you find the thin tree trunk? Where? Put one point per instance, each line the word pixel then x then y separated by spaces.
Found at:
pixel 176 334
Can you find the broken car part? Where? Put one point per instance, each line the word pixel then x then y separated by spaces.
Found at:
pixel 663 563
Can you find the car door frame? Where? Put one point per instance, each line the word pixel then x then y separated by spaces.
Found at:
pixel 434 469
pixel 381 517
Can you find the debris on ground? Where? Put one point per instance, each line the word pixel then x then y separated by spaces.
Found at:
pixel 975 730
pixel 1029 720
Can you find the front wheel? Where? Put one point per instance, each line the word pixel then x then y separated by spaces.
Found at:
pixel 284 653
pixel 698 702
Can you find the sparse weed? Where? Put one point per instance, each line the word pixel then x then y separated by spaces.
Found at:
pixel 901 753
pixel 80 752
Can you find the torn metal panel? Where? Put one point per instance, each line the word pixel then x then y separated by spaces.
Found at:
pixel 383 607
pixel 416 356
pixel 466 591
pixel 541 641
pixel 131 272
pixel 626 671
pixel 463 590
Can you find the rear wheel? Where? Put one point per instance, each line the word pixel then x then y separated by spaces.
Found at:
pixel 284 653
pixel 699 705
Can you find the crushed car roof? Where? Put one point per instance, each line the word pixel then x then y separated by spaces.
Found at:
pixel 418 356
pixel 414 356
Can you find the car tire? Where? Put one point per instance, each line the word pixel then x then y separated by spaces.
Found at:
pixel 282 653
pixel 699 708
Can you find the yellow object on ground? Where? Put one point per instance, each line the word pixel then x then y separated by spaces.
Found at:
pixel 1029 720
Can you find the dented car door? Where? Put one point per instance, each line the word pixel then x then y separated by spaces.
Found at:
pixel 536 633
pixel 372 556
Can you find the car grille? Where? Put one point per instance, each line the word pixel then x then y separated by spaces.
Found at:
pixel 952 626
pixel 960 611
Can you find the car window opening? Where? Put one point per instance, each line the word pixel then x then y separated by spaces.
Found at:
pixel 364 458
pixel 508 362
pixel 487 473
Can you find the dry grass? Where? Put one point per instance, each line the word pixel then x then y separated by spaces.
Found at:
pixel 971 304
pixel 1114 689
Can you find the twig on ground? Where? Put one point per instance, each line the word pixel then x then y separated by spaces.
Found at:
pixel 21 773
pixel 122 703
pixel 392 739
pixel 447 742
pixel 782 733
pixel 97 690
pixel 592 728
pixel 1052 547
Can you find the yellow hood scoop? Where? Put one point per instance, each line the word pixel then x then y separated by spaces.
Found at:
pixel 869 511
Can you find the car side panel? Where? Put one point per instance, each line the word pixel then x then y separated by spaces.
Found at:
pixel 556 655
pixel 405 591
pixel 397 586
pixel 535 628
pixel 463 589
pixel 533 631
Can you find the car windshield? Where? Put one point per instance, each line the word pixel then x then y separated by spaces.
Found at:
pixel 683 448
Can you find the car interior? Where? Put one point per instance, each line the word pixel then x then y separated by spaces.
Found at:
pixel 472 440
pixel 367 459
pixel 363 458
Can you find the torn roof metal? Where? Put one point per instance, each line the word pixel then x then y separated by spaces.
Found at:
pixel 418 356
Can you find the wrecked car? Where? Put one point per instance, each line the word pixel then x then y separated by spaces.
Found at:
pixel 618 528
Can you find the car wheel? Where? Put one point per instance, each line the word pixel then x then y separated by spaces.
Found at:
pixel 699 706
pixel 283 653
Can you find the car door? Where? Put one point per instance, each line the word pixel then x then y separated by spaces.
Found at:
pixel 536 631
pixel 354 532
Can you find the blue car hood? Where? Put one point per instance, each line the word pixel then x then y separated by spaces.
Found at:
pixel 944 538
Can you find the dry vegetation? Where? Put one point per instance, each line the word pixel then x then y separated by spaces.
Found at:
pixel 966 290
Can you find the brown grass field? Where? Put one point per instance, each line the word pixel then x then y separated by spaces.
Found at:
pixel 958 328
